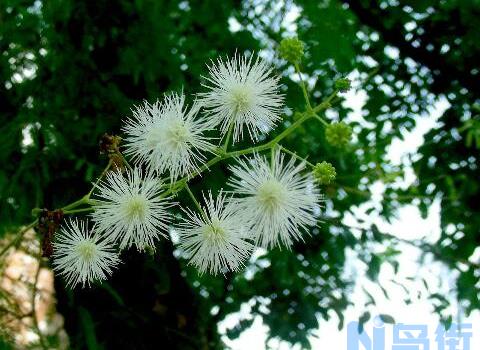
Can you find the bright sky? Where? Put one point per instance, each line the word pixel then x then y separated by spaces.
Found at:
pixel 409 225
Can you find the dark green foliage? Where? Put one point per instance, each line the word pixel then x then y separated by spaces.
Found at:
pixel 92 60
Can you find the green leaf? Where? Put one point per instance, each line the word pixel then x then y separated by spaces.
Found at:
pixel 387 318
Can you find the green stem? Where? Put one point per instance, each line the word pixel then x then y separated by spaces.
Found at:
pixel 249 150
pixel 125 161
pixel 194 200
pixel 76 211
pixel 100 178
pixel 326 103
pixel 229 135
pixel 272 157
pixel 83 200
pixel 86 199
pixel 303 86
pixel 271 143
pixel 320 119
pixel 322 106
pixel 286 150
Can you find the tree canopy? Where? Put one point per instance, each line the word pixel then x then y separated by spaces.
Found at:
pixel 72 70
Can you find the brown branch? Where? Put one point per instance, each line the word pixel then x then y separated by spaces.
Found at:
pixel 33 303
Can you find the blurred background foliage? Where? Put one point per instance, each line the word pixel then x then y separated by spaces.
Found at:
pixel 71 70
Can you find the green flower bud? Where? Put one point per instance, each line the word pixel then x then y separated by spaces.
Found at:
pixel 343 84
pixel 149 250
pixel 291 49
pixel 338 134
pixel 324 173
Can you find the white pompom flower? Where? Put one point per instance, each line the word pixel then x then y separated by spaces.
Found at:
pixel 279 199
pixel 168 136
pixel 82 257
pixel 217 240
pixel 129 211
pixel 243 93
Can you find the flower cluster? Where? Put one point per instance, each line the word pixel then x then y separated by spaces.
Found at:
pixel 270 202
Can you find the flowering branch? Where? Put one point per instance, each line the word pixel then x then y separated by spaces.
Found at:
pixel 271 203
pixel 178 186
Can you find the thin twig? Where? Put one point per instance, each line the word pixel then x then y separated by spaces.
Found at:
pixel 76 211
pixel 125 161
pixel 286 150
pixel 100 178
pixel 18 237
pixel 303 86
pixel 195 201
pixel 229 135
pixel 33 302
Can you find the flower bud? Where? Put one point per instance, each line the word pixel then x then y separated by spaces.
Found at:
pixel 343 84
pixel 291 49
pixel 338 134
pixel 324 173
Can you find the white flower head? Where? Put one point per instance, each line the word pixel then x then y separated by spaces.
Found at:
pixel 243 92
pixel 279 199
pixel 167 136
pixel 216 242
pixel 129 210
pixel 82 257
